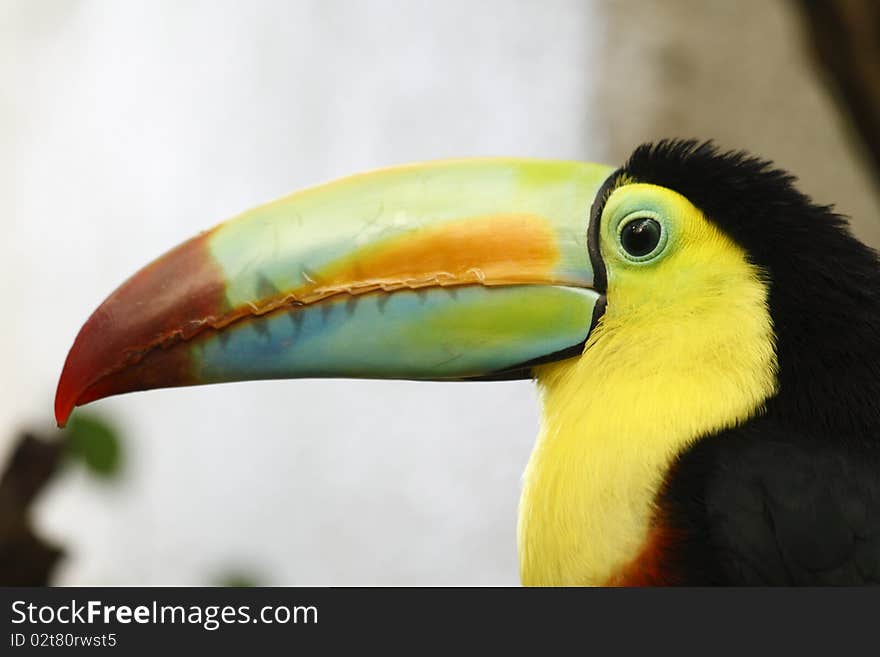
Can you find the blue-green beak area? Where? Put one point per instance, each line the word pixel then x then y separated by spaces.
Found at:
pixel 436 333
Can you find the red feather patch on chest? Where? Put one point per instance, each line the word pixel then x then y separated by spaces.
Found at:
pixel 652 566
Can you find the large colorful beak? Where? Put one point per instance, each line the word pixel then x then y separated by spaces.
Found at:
pixel 447 270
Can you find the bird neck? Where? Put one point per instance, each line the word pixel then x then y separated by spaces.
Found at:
pixel 644 389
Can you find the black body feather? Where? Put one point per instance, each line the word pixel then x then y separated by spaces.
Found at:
pixel 793 495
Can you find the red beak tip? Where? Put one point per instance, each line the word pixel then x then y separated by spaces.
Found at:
pixel 63 410
pixel 65 398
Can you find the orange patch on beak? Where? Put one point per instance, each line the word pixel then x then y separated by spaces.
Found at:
pixel 495 250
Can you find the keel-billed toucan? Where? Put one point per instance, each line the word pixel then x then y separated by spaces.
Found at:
pixel 705 340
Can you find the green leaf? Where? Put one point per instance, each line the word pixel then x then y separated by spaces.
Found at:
pixel 95 442
pixel 237 579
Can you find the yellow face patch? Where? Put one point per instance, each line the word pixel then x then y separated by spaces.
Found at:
pixel 685 348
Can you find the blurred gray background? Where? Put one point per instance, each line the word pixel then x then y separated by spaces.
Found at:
pixel 127 127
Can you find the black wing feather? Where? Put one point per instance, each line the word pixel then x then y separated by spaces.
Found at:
pixel 759 507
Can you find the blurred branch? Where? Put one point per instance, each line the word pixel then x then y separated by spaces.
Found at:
pixel 25 558
pixel 845 38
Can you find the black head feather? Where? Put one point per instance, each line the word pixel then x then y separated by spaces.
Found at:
pixel 824 285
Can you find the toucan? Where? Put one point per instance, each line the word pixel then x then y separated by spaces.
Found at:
pixel 705 341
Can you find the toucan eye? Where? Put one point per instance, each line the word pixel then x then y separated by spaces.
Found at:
pixel 641 236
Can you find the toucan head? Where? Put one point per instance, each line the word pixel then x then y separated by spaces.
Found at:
pixel 463 270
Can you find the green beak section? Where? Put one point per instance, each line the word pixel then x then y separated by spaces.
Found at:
pixel 447 270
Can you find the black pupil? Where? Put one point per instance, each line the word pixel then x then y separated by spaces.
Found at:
pixel 640 236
